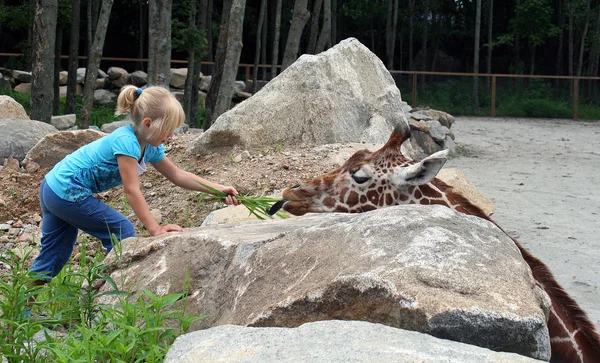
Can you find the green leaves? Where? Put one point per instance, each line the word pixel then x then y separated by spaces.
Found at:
pixel 81 329
pixel 257 205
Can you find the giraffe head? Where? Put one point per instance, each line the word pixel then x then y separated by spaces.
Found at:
pixel 367 180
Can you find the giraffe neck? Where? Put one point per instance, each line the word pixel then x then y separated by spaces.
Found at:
pixel 572 335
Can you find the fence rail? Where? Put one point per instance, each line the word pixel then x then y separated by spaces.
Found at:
pixel 494 77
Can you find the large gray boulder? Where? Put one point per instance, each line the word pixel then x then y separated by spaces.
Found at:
pixel 342 95
pixel 421 268
pixel 54 147
pixel 19 136
pixel 332 341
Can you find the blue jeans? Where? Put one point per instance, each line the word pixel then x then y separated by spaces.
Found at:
pixel 63 219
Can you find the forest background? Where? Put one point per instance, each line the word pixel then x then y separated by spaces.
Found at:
pixel 556 38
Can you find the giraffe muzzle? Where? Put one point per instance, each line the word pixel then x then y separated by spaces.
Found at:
pixel 277 206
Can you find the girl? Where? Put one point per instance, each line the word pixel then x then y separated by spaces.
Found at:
pixel 119 158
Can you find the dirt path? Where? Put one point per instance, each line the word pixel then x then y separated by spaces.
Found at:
pixel 543 176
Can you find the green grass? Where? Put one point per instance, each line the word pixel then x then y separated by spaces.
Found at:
pixel 141 330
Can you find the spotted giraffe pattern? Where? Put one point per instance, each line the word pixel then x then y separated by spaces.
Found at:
pixel 371 180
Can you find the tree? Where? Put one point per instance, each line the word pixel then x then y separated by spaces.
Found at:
pixel 390 32
pixel 259 33
pixel 424 45
pixel 159 42
pixel 229 50
pixel 190 38
pixel 73 57
pixel 62 21
pixel 93 63
pixel 314 26
pixel 583 36
pixel 292 45
pixel 276 36
pixel 476 56
pixel 489 38
pixel 325 35
pixel 44 33
pixel 559 50
pixel 411 17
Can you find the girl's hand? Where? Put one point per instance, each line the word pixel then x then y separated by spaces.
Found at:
pixel 166 228
pixel 232 192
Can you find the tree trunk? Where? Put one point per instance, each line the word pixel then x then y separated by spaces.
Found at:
pixel 259 31
pixel 401 56
pixel 583 36
pixel 516 50
pixel 276 36
pixel 94 63
pixel 201 24
pixel 44 33
pixel 559 51
pixel 73 57
pixel 57 54
pixel 142 38
pixel 594 61
pixel 476 56
pixel 263 50
pixel 571 52
pixel 424 46
pixel 489 40
pixel 159 42
pixel 325 35
pixel 189 79
pixel 209 33
pixel 411 17
pixel 392 26
pixel 231 59
pixel 217 74
pixel 299 19
pixel 90 35
pixel 314 26
pixel 334 15
pixel 531 58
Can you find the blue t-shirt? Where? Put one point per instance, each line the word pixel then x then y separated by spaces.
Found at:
pixel 93 168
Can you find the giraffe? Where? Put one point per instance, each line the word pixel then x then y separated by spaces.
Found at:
pixel 370 180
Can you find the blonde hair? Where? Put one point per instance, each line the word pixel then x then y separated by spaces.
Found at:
pixel 156 103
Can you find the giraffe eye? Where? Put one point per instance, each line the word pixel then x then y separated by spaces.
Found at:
pixel 362 176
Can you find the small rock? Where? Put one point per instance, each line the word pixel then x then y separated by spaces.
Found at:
pixel 31 167
pixel 14 231
pixel 26 238
pixel 18 224
pixel 36 217
pixel 11 164
pixel 148 185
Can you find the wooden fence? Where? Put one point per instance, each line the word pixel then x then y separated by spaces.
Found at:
pixel 494 77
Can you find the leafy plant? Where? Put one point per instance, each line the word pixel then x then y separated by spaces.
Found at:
pixel 139 330
pixel 258 205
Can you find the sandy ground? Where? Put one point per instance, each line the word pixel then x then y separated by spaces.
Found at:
pixel 543 176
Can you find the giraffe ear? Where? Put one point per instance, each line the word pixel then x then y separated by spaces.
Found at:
pixel 422 172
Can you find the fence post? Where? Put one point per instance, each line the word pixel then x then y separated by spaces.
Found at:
pixel 414 90
pixel 575 98
pixel 247 76
pixel 494 96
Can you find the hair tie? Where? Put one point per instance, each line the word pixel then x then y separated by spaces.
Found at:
pixel 138 92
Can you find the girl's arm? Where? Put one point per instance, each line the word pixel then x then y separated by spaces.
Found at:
pixel 131 186
pixel 190 181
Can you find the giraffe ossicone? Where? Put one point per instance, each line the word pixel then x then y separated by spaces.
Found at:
pixel 371 180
